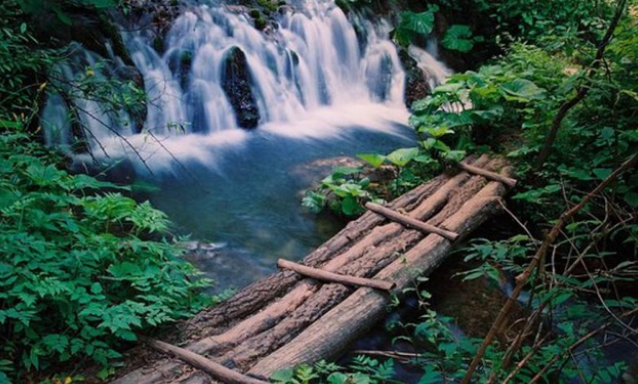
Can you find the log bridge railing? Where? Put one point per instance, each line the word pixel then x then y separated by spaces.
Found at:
pixel 314 310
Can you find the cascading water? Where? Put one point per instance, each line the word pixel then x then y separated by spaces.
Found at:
pixel 314 88
pixel 313 65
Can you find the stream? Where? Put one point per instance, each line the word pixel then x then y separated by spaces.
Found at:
pixel 239 123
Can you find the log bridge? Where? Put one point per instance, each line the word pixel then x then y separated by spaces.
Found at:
pixel 314 310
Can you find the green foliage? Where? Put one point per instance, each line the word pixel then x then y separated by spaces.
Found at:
pixel 58 7
pixel 459 38
pixel 548 20
pixel 362 370
pixel 77 276
pixel 18 62
pixel 83 267
pixel 347 189
pixel 344 192
pixel 510 104
pixel 413 25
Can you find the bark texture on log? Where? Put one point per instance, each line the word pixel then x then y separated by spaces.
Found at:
pixel 287 318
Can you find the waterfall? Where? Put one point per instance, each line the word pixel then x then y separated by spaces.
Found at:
pixel 217 74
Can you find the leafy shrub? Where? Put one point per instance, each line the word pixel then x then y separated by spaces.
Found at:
pixel 362 370
pixel 537 21
pixel 344 192
pixel 77 276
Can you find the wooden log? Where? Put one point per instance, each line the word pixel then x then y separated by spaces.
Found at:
pixel 216 370
pixel 335 277
pixel 488 174
pixel 330 335
pixel 253 317
pixel 258 294
pixel 410 222
pixel 259 322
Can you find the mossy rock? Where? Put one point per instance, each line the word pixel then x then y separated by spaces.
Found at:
pixel 237 85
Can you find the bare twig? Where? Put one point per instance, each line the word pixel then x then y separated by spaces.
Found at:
pixel 521 364
pixel 523 278
pixel 575 345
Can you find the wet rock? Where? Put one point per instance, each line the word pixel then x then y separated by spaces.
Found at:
pixel 416 86
pixel 93 29
pixel 236 83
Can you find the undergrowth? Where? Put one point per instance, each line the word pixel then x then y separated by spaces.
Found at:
pixel 578 287
pixel 83 267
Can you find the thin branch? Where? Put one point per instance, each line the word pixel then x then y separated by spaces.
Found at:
pixel 523 278
pixel 521 364
pixel 575 345
pixel 582 90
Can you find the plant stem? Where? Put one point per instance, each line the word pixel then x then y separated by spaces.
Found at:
pixel 582 90
pixel 523 278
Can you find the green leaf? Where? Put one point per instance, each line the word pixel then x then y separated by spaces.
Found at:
pixel 373 159
pixel 413 24
pixel 283 375
pixel 349 206
pixel 96 288
pixel 430 376
pixel 631 198
pixel 338 378
pixel 62 16
pixel 420 23
pixel 125 270
pixel 459 38
pixel 101 4
pixel 523 90
pixel 455 155
pixel 403 156
pixel 602 173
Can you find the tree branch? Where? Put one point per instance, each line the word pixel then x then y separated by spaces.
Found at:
pixel 523 278
pixel 582 90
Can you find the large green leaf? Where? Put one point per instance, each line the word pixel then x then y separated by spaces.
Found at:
pixel 402 156
pixel 420 23
pixel 373 159
pixel 523 90
pixel 412 23
pixel 458 38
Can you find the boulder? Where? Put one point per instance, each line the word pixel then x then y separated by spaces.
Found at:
pixel 236 83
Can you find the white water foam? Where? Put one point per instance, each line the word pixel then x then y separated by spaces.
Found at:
pixel 312 77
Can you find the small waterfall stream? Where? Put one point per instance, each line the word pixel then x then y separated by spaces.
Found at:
pixel 314 88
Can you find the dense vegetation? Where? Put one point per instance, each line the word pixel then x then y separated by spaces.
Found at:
pixel 83 267
pixel 560 101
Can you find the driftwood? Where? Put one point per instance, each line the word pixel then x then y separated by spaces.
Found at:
pixel 334 277
pixel 410 222
pixel 288 318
